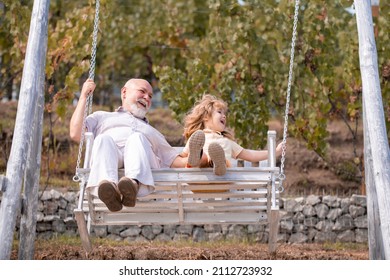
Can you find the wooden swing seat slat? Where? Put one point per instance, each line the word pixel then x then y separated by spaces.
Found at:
pixel 194 196
pixel 161 205
pixel 170 218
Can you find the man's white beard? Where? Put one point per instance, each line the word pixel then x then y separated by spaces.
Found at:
pixel 138 112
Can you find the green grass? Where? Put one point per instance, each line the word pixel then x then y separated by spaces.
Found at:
pixel 344 246
pixel 97 241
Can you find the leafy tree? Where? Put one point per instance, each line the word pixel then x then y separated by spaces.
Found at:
pixel 244 58
pixel 238 50
pixel 13 34
pixel 67 46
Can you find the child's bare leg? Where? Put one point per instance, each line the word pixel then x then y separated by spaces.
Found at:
pixel 205 162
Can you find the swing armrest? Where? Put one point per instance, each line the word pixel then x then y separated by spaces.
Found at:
pixel 88 138
pixel 270 162
pixel 271 143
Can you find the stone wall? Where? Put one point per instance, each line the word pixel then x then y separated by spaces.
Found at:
pixel 302 219
pixel 324 218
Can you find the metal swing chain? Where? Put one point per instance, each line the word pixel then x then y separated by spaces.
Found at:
pixel 282 176
pixel 91 75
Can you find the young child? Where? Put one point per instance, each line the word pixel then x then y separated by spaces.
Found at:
pixel 209 143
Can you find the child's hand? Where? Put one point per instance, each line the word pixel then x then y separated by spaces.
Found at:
pixel 279 149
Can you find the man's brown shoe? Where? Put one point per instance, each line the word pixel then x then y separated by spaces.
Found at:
pixel 129 189
pixel 109 196
pixel 217 156
pixel 195 146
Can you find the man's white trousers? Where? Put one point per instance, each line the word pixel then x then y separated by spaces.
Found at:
pixel 136 157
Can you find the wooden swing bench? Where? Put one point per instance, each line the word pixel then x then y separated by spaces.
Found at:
pixel 244 195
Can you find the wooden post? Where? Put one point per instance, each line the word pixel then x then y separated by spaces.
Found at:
pixel 26 114
pixel 31 182
pixel 271 146
pixel 377 153
pixel 273 217
pixel 375 241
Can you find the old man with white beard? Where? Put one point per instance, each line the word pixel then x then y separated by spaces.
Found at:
pixel 123 139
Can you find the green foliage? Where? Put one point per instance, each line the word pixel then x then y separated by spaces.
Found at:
pixel 67 46
pixel 239 52
pixel 13 37
pixel 347 171
pixel 244 56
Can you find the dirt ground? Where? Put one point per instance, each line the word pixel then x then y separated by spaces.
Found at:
pixel 172 251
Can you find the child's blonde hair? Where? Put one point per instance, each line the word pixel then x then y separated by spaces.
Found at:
pixel 202 109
